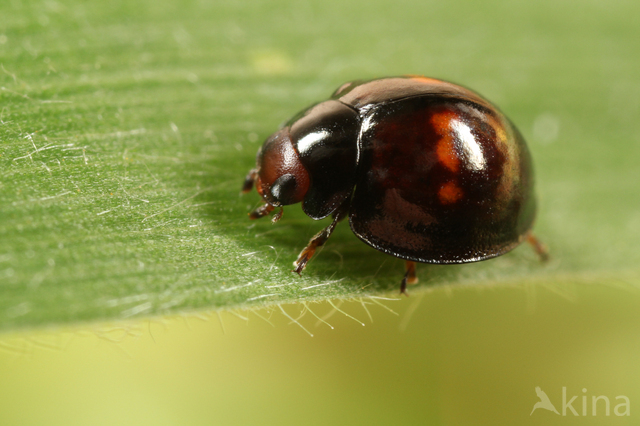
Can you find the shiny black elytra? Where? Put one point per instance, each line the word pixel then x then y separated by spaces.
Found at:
pixel 426 171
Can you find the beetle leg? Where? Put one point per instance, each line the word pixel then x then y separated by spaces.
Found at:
pixel 261 211
pixel 538 246
pixel 319 239
pixel 248 181
pixel 276 217
pixel 409 276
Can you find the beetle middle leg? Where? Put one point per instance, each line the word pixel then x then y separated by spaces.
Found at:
pixel 409 276
pixel 319 239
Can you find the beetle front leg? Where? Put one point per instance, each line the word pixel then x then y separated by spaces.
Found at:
pixel 319 239
pixel 249 180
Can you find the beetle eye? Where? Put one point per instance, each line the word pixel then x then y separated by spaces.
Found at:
pixel 283 190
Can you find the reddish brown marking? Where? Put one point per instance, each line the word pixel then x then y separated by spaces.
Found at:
pixel 342 88
pixel 445 150
pixel 447 154
pixel 450 193
pixel 425 80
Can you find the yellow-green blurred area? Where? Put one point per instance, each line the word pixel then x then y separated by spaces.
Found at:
pixel 449 358
pixel 126 129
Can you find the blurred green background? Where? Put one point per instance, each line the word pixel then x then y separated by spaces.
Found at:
pixel 126 128
pixel 462 357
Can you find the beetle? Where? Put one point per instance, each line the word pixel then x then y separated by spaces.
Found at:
pixel 425 170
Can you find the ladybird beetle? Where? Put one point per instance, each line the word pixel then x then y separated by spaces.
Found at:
pixel 426 170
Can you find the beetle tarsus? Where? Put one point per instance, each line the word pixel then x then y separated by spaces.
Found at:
pixel 539 247
pixel 403 285
pixel 261 211
pixel 302 260
pixel 249 180
pixel 276 217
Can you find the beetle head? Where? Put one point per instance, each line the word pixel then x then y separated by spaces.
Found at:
pixel 282 179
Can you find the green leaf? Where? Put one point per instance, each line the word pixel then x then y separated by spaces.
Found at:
pixel 126 129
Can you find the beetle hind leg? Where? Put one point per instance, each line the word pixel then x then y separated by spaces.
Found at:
pixel 539 247
pixel 409 276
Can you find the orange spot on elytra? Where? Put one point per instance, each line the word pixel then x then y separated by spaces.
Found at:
pixel 447 154
pixel 445 150
pixel 426 80
pixel 450 193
